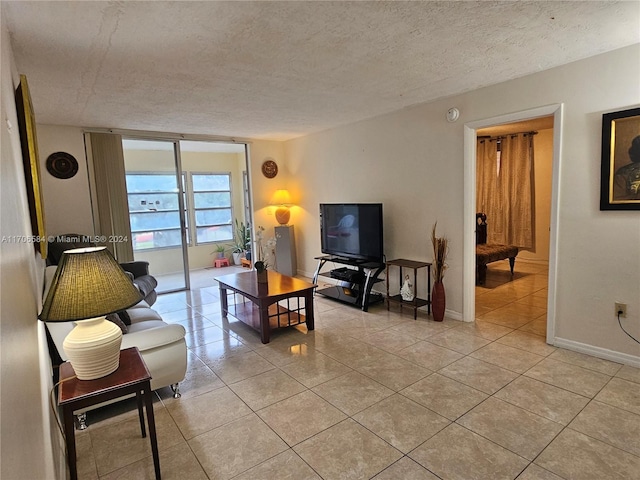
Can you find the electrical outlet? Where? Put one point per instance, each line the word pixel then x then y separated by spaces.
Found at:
pixel 621 309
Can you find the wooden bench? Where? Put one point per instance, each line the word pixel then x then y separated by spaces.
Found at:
pixel 490 252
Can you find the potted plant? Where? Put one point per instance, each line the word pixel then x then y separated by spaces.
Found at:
pixel 241 241
pixel 440 251
pixel 220 249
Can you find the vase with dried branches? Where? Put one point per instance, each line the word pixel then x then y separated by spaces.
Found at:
pixel 440 251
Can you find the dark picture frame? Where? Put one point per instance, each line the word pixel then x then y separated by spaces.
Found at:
pixel 620 169
pixel 31 164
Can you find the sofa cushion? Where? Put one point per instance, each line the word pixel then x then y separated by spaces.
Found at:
pixel 146 325
pixel 141 304
pixel 140 315
pixel 154 335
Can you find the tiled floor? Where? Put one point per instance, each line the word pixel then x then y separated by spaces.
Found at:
pixel 518 302
pixel 379 395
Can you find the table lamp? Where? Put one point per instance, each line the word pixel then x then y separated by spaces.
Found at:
pixel 282 200
pixel 88 285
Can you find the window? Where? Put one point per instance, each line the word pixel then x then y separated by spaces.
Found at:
pixel 212 207
pixel 154 208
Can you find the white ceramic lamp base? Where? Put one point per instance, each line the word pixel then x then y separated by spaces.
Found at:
pixel 93 348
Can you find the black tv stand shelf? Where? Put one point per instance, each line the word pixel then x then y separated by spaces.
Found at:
pixel 353 284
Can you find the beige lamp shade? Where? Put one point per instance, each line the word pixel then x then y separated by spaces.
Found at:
pixel 282 199
pixel 89 284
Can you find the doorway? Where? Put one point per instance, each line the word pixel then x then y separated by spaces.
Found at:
pixel 518 300
pixel 469 287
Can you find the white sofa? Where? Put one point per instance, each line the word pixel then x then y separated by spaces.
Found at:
pixel 161 344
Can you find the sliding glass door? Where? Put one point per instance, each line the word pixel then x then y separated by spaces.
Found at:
pixel 157 210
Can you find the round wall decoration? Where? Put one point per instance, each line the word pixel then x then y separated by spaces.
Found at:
pixel 269 168
pixel 62 165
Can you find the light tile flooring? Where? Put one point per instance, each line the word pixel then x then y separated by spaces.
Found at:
pixel 518 302
pixel 379 395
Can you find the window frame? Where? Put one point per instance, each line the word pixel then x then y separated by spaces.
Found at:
pixel 183 178
pixel 189 207
pixel 193 209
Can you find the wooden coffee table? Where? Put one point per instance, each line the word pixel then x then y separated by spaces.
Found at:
pixel 267 309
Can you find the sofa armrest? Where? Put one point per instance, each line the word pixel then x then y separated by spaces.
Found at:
pixel 137 268
pixel 146 284
pixel 154 337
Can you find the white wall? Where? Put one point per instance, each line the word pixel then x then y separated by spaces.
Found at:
pixel 263 188
pixel 412 161
pixel 68 206
pixel 26 430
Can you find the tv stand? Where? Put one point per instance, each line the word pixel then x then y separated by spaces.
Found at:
pixel 355 288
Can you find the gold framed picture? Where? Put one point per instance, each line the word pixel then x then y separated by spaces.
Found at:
pixel 620 169
pixel 31 163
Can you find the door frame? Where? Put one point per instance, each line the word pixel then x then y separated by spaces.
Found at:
pixel 469 212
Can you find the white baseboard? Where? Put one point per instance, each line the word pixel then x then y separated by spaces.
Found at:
pixel 453 315
pixel 599 352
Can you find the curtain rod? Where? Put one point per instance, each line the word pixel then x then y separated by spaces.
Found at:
pixel 488 137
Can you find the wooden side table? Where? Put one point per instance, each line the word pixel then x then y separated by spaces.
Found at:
pixel 416 302
pixel 131 376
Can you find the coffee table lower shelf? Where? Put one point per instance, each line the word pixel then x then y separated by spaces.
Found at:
pixel 279 316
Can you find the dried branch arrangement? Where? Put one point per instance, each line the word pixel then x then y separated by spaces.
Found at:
pixel 440 251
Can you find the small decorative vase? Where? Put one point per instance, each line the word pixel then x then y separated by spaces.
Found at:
pixel 438 301
pixel 263 276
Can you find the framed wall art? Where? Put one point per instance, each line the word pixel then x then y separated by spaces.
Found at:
pixel 620 170
pixel 31 163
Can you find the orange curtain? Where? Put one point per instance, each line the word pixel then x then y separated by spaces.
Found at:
pixel 505 189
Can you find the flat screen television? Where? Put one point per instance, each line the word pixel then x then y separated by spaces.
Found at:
pixel 352 230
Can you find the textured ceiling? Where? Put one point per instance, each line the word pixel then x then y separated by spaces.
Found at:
pixel 278 70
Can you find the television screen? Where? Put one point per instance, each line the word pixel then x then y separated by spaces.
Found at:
pixel 352 230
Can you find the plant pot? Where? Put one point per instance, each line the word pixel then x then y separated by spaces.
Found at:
pixel 220 254
pixel 236 257
pixel 263 276
pixel 438 301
